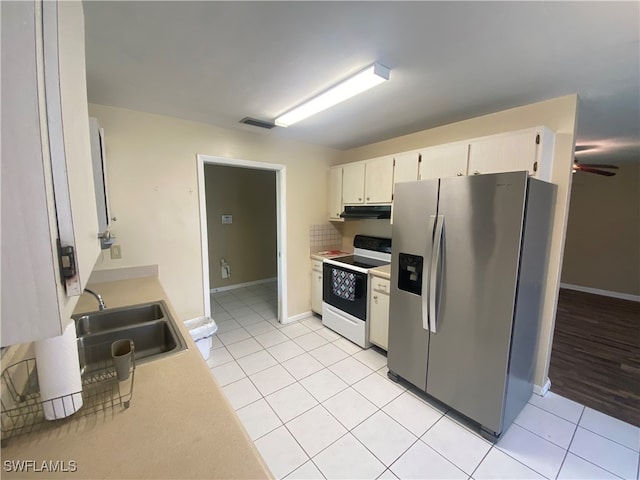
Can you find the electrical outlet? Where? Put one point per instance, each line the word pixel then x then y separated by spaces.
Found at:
pixel 225 270
pixel 116 252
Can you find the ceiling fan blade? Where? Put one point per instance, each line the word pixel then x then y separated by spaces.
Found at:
pixel 599 165
pixel 584 148
pixel 584 168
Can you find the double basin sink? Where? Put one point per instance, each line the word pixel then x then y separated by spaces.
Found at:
pixel 150 325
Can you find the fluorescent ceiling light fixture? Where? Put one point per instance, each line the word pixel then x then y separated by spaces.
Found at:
pixel 360 82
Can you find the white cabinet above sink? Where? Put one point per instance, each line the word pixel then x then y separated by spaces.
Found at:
pixel 49 224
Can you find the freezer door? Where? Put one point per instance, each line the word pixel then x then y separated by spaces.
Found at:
pixel 414 211
pixel 469 351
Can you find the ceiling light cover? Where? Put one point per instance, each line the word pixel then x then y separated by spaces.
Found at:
pixel 360 82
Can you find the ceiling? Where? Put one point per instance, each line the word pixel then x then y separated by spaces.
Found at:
pixel 217 62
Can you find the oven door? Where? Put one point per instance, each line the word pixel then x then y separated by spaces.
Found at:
pixel 345 289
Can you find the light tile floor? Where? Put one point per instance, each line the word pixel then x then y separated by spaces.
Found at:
pixel 318 406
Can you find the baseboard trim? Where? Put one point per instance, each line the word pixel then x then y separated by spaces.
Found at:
pixel 597 291
pixel 542 390
pixel 299 316
pixel 242 285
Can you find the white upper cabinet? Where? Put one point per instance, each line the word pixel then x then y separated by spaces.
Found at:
pixel 447 160
pixel 372 181
pixel 335 193
pixel 378 183
pixel 353 183
pixel 49 220
pixel 530 149
pixel 405 166
pixel 368 182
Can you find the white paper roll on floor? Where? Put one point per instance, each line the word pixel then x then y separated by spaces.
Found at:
pixel 59 374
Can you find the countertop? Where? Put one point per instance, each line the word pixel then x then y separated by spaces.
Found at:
pixel 328 253
pixel 383 271
pixel 179 424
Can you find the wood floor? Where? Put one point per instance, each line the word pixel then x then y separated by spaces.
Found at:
pixel 595 358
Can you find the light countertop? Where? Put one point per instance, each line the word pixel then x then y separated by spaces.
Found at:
pixel 383 271
pixel 328 253
pixel 179 424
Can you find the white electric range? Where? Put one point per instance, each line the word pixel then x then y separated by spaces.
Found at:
pixel 345 284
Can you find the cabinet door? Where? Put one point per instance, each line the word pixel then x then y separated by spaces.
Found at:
pixel 29 286
pixel 447 160
pixel 335 193
pixel 507 152
pixel 70 146
pixel 47 184
pixel 316 291
pixel 405 167
pixel 353 183
pixel 379 180
pixel 379 312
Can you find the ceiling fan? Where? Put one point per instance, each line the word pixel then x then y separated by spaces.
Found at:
pixel 592 168
pixel 595 168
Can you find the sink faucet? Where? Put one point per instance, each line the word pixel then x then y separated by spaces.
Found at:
pixel 101 305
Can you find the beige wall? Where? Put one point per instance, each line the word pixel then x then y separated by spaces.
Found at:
pixel 559 115
pixel 152 174
pixel 603 234
pixel 248 244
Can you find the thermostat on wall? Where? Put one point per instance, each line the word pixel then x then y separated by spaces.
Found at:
pixel 227 219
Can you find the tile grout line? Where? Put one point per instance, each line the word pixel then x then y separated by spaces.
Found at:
pixel 555 414
pixel 378 408
pixel 483 459
pixel 610 439
pixel 584 409
pixel 547 440
pixel 566 452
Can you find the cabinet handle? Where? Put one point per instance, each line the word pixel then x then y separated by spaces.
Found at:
pixel 476 172
pixel 359 199
pixel 368 199
pixel 459 174
pixel 375 297
pixel 320 277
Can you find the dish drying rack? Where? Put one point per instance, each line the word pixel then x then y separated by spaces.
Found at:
pixel 23 409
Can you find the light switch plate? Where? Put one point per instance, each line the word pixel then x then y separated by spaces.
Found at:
pixel 227 219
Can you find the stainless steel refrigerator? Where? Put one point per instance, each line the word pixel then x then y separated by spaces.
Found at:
pixel 467 269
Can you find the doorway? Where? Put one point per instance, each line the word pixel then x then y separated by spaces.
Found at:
pixel 239 249
pixel 595 358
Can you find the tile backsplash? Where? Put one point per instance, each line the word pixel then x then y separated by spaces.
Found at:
pixel 324 235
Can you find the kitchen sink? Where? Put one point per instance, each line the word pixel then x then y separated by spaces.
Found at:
pixel 114 318
pixel 150 326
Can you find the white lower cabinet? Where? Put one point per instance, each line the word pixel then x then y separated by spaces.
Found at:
pixel 316 286
pixel 379 311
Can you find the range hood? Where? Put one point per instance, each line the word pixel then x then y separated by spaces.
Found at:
pixel 360 212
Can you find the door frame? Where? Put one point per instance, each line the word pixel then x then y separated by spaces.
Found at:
pixel 281 220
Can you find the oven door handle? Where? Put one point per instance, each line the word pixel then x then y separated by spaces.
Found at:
pixel 349 320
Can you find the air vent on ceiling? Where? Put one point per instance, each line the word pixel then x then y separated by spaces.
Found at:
pixel 257 123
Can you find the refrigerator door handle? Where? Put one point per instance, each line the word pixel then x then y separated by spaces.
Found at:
pixel 425 275
pixel 434 268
